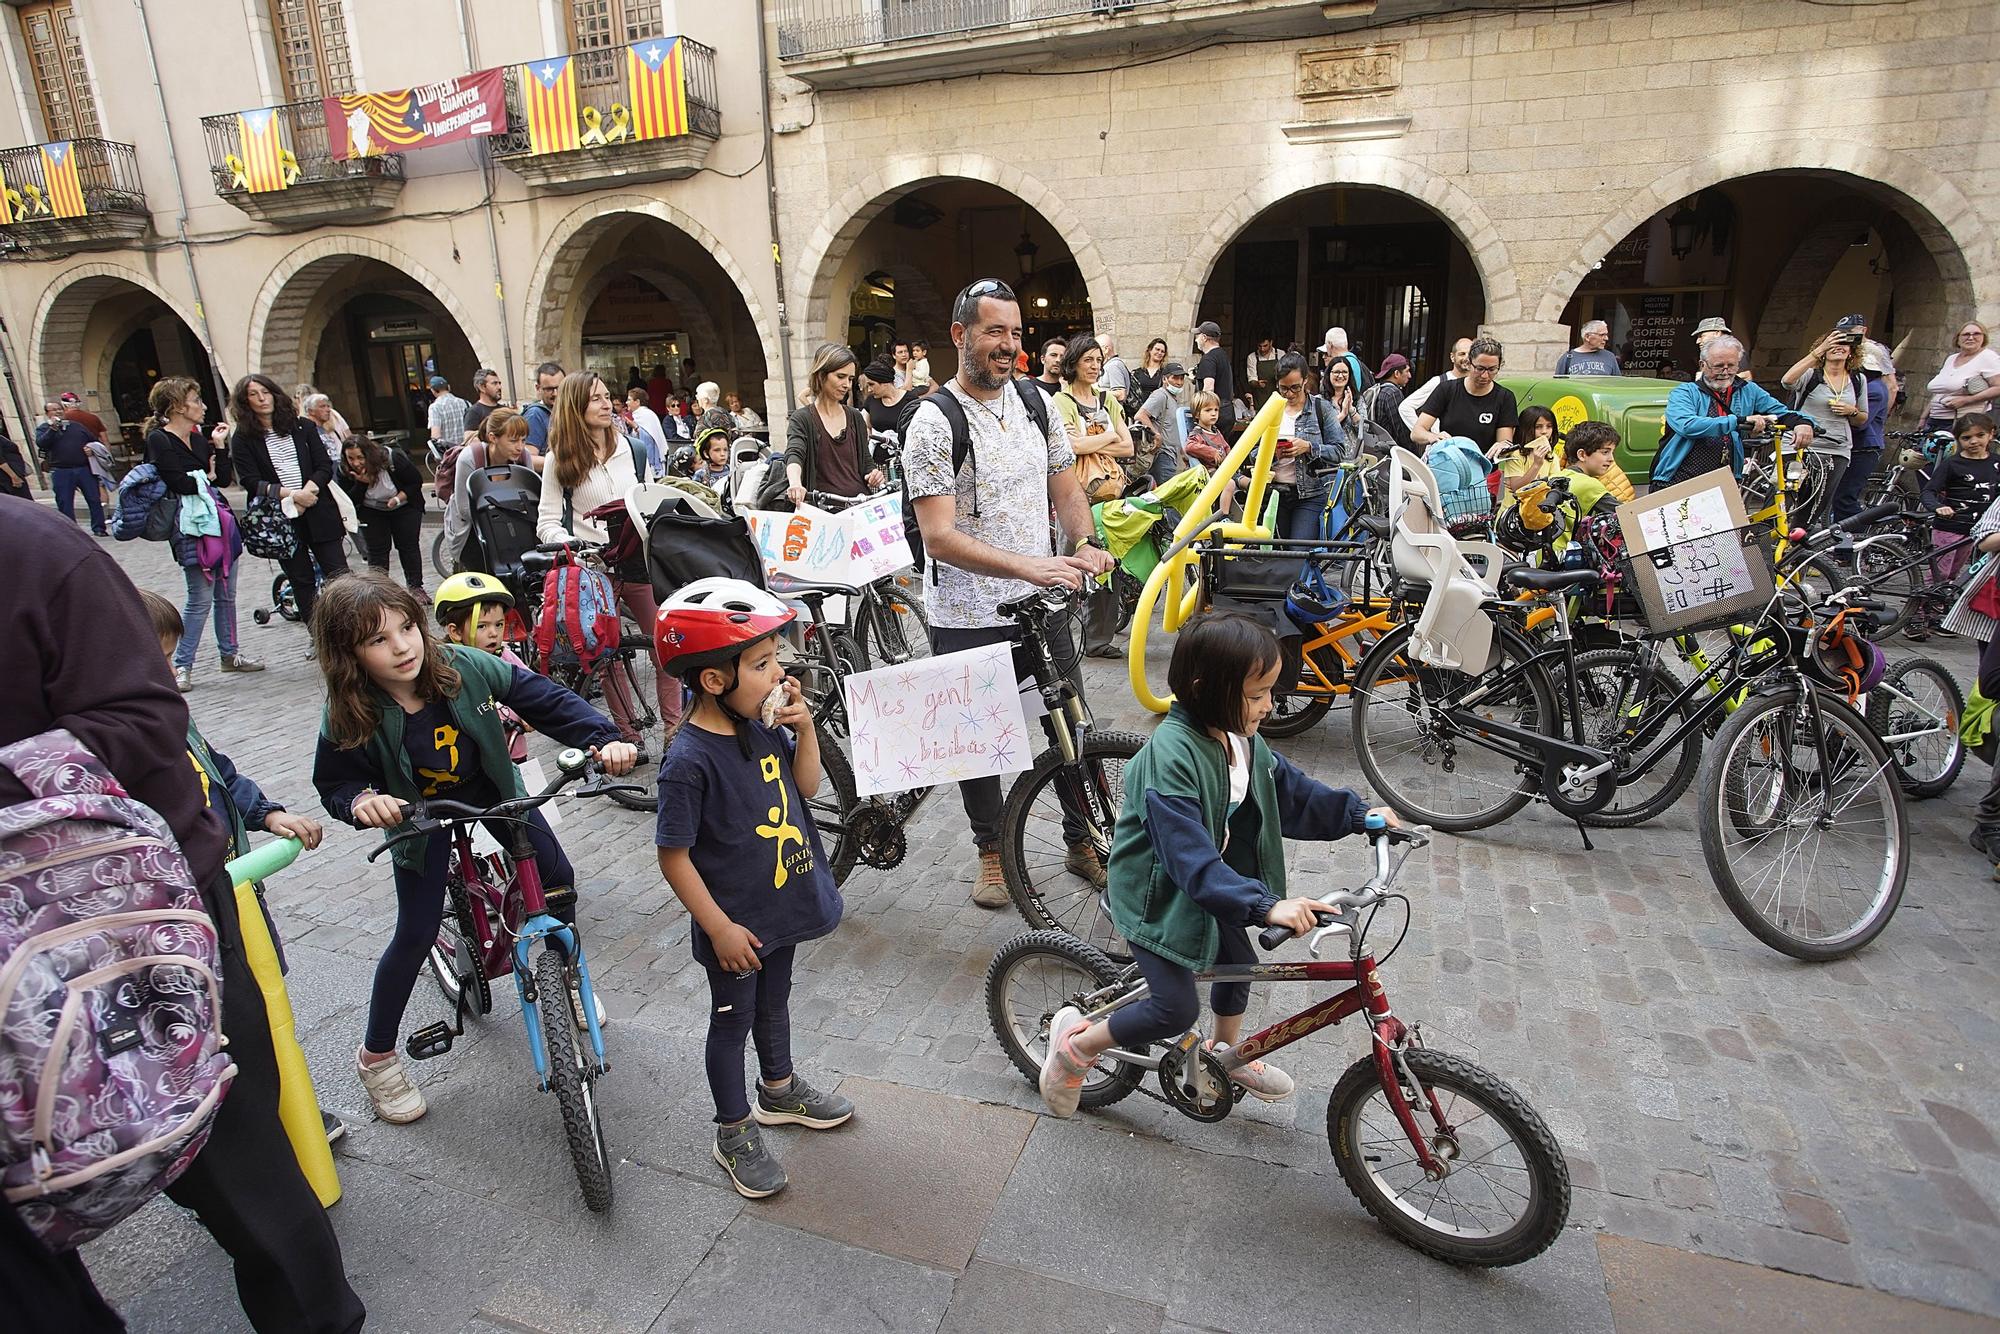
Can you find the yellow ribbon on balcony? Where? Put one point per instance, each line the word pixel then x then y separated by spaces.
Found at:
pixel 621 124
pixel 288 163
pixel 38 204
pixel 13 204
pixel 593 129
pixel 238 179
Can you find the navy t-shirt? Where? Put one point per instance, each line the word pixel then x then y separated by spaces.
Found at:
pixel 749 834
pixel 444 758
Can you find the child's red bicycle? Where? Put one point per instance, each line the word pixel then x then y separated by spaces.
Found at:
pixel 1443 1153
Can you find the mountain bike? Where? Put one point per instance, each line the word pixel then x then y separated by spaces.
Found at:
pixel 1801 816
pixel 499 923
pixel 1444 1154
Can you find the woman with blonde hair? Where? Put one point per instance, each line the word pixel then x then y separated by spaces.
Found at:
pixel 1828 387
pixel 590 464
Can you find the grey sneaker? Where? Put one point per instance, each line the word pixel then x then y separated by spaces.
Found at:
pixel 752 1170
pixel 239 663
pixel 800 1104
pixel 183 679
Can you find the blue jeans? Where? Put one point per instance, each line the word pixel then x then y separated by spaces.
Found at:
pixel 66 482
pixel 1860 471
pixel 202 594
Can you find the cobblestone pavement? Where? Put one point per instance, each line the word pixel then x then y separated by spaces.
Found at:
pixel 1713 1097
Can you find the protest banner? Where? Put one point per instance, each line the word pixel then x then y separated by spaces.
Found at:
pixel 371 124
pixel 937 720
pixel 1695 558
pixel 856 546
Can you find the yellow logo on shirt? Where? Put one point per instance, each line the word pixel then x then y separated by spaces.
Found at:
pixel 445 742
pixel 781 829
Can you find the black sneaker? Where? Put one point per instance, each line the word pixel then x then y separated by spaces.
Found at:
pixel 334 1126
pixel 800 1104
pixel 752 1170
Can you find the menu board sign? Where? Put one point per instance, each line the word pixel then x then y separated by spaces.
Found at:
pixel 1658 336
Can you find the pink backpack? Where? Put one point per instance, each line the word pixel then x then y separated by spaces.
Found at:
pixel 111 1060
pixel 580 609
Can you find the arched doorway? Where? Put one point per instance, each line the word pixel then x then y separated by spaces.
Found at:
pixel 1779 255
pixel 899 247
pixel 107 335
pixel 1381 265
pixel 625 285
pixel 366 330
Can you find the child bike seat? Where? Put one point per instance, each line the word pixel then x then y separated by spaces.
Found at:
pixel 1453 629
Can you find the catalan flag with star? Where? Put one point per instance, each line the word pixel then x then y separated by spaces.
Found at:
pixel 549 89
pixel 59 174
pixel 655 81
pixel 257 135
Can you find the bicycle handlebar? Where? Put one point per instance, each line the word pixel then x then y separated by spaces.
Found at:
pixel 1370 894
pixel 429 817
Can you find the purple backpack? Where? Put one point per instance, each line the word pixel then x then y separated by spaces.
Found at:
pixel 111 1060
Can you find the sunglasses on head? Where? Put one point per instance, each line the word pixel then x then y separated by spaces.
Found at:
pixel 988 287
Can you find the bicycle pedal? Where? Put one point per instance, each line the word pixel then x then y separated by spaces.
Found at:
pixel 434 1040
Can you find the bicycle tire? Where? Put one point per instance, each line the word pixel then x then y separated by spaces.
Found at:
pixel 443 566
pixel 1876 570
pixel 1295 712
pixel 569 1054
pixel 282 600
pixel 1890 713
pixel 1654 687
pixel 457 930
pixel 1069 971
pixel 1045 892
pixel 893 630
pixel 1373 695
pixel 833 808
pixel 1732 795
pixel 1362 1161
pixel 631 669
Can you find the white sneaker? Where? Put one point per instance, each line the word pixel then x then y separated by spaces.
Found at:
pixel 1062 1075
pixel 1258 1079
pixel 183 679
pixel 576 1007
pixel 396 1099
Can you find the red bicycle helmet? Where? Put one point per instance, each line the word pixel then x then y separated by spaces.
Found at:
pixel 711 621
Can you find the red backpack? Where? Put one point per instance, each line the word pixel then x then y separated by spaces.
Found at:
pixel 447 471
pixel 580 609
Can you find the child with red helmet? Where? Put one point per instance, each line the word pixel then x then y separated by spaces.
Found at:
pixel 741 851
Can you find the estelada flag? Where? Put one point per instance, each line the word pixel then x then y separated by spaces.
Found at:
pixel 372 124
pixel 654 79
pixel 549 89
pixel 260 145
pixel 59 174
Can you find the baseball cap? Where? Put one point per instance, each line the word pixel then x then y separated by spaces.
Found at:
pixel 1208 329
pixel 1392 363
pixel 439 382
pixel 69 397
pixel 1848 322
pixel 1171 369
pixel 1713 324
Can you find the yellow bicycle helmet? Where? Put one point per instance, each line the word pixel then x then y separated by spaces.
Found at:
pixel 469 589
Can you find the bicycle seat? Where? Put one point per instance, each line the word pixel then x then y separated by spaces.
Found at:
pixel 1372 523
pixel 537 560
pixel 790 586
pixel 1550 581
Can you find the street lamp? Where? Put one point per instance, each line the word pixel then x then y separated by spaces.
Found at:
pixel 1024 251
pixel 1681 229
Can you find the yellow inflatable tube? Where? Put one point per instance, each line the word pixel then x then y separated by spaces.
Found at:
pixel 298 1106
pixel 1260 435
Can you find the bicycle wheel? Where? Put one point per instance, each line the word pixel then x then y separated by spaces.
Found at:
pixel 572 1078
pixel 1032 977
pixel 454 958
pixel 1618 691
pixel 1507 1194
pixel 1802 824
pixel 1294 713
pixel 833 808
pixel 1426 767
pixel 282 600
pixel 1035 844
pixel 630 674
pixel 440 558
pixel 1915 713
pixel 892 627
pixel 1876 566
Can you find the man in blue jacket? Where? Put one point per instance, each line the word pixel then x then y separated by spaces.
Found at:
pixel 1707 416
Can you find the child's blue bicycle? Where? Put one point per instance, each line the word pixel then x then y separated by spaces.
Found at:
pixel 496 916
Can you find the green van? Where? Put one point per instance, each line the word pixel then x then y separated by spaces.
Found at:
pixel 1636 406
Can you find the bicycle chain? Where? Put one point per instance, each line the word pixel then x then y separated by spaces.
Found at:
pixel 880 839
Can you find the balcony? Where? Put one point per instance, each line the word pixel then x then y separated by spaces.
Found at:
pixel 105 208
pixel 320 188
pixel 610 156
pixel 876 43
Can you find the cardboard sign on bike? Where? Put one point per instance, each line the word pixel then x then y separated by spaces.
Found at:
pixel 855 546
pixel 1694 561
pixel 937 720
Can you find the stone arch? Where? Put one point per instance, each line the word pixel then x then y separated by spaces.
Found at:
pixel 284 339
pixel 862 203
pixel 1943 219
pixel 56 359
pixel 1467 220
pixel 552 307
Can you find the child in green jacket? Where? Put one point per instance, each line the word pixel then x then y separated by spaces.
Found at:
pixel 1201 855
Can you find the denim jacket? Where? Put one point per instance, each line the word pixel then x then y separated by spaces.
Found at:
pixel 1320 425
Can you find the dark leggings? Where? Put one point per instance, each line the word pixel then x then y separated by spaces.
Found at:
pixel 403 528
pixel 754 1005
pixel 298 567
pixel 419 910
pixel 1172 1003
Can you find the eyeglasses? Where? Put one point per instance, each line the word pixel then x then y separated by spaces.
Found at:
pixel 1289 389
pixel 1485 370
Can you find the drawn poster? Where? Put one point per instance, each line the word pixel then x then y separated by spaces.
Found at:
pixel 937 720
pixel 856 546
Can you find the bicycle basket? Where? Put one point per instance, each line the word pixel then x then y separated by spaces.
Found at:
pixel 1701 583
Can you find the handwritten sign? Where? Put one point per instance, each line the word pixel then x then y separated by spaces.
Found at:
pixel 1690 562
pixel 937 720
pixel 856 546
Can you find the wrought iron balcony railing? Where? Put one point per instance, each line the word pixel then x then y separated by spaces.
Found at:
pixel 307 156
pixel 603 103
pixel 107 181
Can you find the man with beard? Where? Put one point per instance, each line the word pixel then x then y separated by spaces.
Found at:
pixel 984 511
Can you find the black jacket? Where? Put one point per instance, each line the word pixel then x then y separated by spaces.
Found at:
pixel 402 472
pixel 253 468
pixel 178 463
pixel 802 432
